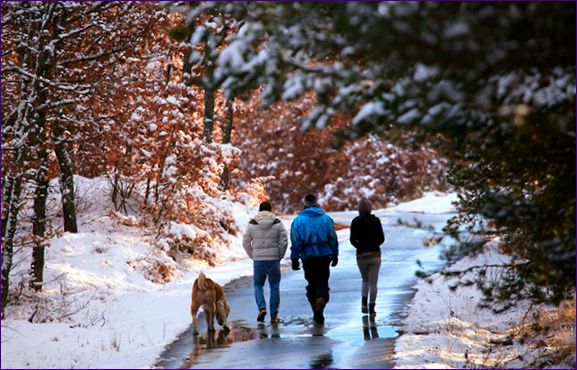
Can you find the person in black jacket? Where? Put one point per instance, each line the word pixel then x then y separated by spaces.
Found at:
pixel 367 236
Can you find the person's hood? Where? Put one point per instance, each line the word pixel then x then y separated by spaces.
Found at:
pixel 264 219
pixel 312 212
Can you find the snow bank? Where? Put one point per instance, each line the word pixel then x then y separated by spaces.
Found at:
pixel 431 202
pixel 447 329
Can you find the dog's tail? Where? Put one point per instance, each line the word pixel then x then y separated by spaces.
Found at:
pixel 201 280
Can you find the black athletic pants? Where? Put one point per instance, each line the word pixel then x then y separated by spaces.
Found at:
pixel 317 275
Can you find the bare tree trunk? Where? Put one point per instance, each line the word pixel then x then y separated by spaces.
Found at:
pixel 227 130
pixel 38 140
pixel 9 226
pixel 208 114
pixel 226 136
pixel 66 181
pixel 156 192
pixel 7 189
pixel 146 194
pixel 39 220
pixel 115 184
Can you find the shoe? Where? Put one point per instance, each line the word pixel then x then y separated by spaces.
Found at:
pixel 261 315
pixel 364 308
pixel 372 309
pixel 318 317
pixel 275 320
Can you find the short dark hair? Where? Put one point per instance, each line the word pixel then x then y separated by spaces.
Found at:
pixel 365 206
pixel 310 198
pixel 265 206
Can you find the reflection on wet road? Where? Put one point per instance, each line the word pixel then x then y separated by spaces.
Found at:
pixel 348 339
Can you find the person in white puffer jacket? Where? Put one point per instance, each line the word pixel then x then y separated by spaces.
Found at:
pixel 265 241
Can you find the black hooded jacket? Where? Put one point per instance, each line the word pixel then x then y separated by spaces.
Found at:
pixel 367 233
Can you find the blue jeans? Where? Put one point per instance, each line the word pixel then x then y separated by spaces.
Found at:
pixel 262 270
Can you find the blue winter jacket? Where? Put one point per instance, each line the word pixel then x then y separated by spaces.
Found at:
pixel 313 234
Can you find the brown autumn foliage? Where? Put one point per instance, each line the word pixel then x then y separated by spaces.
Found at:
pixel 155 155
pixel 55 55
pixel 292 163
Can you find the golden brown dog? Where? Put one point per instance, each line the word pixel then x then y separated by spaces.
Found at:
pixel 210 296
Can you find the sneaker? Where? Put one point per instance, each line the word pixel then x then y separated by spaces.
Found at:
pixel 261 315
pixel 372 309
pixel 275 320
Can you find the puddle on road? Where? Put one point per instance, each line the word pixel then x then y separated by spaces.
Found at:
pixel 370 331
pixel 186 349
pixel 323 361
pixel 210 341
pixel 367 328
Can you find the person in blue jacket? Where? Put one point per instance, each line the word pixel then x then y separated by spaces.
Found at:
pixel 314 241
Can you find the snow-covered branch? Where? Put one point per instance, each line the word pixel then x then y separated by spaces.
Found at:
pixel 56 84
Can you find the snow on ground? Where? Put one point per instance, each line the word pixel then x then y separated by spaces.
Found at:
pixel 443 327
pixel 431 202
pixel 447 329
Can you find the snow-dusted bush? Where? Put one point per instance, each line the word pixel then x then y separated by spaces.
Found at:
pixel 292 163
pixel 383 173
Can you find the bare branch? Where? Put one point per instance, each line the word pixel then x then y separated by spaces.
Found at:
pixel 59 103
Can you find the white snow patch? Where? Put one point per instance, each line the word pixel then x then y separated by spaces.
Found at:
pixel 423 72
pixel 431 202
pixel 369 110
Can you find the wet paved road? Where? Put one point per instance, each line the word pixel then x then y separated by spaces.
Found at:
pixel 348 339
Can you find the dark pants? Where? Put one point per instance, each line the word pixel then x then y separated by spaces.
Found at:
pixel 369 265
pixel 317 275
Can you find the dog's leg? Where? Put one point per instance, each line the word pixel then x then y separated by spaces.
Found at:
pixel 194 312
pixel 210 340
pixel 210 317
pixel 223 309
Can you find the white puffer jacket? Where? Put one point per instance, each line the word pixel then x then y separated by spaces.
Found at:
pixel 265 238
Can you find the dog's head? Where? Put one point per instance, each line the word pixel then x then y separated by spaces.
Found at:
pixel 222 311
